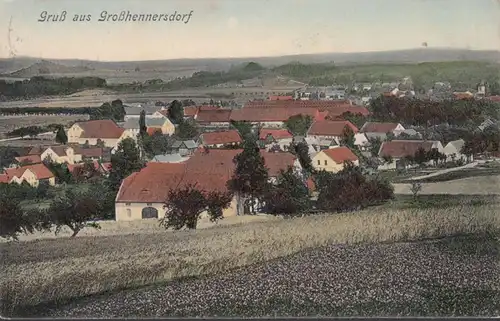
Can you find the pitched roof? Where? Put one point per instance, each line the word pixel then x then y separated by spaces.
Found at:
pixel 190 111
pixel 494 98
pixel 277 114
pixel 90 152
pixel 137 110
pixel 154 182
pixel 457 144
pixel 105 129
pixel 402 148
pixel 275 133
pixel 155 121
pixel 152 130
pixel 330 128
pixel 40 171
pixel 212 116
pixel 188 143
pixel 4 178
pixel 169 158
pixel 58 150
pixel 220 137
pixel 32 159
pixel 340 154
pixel 374 127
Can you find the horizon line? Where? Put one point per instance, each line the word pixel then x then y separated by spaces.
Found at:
pixel 256 57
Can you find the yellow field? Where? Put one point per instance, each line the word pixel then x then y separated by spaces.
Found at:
pixel 57 269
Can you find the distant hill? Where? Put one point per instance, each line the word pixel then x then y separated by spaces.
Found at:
pixel 45 68
pixel 32 66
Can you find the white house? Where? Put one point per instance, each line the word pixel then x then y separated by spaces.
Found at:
pixel 399 149
pixel 453 149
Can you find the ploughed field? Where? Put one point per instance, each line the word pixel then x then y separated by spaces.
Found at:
pixel 455 276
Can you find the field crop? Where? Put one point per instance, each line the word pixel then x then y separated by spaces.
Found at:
pixel 59 270
pixel 9 123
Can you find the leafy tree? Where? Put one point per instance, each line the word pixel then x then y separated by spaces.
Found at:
pixel 187 129
pixel 142 124
pixel 375 143
pixel 347 138
pixel 75 210
pixel 156 144
pixel 60 171
pixel 124 162
pixel 290 196
pixel 86 172
pixel 176 112
pixel 421 157
pixel 100 143
pixel 61 136
pixel 357 119
pixel 301 150
pixel 298 125
pixel 251 175
pixel 387 159
pixel 243 127
pixel 184 206
pixel 389 136
pixel 12 219
pixel 434 155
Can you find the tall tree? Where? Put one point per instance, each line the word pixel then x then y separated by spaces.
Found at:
pixel 12 219
pixel 347 138
pixel 142 124
pixel 176 112
pixel 125 161
pixel 75 210
pixel 61 136
pixel 243 127
pixel 251 176
pixel 301 150
pixel 187 129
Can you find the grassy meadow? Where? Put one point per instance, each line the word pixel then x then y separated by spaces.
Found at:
pixel 61 270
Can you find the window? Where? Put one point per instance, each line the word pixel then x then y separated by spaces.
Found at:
pixel 326 162
pixel 149 212
pixel 319 162
pixel 127 204
pixel 129 212
pixel 150 204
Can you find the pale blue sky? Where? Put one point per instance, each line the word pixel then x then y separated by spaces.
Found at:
pixel 239 28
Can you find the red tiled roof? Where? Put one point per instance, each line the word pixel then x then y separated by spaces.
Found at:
pixel 40 171
pixel 106 166
pixel 280 98
pixel 340 154
pixel 190 111
pixel 319 104
pixel 494 98
pixel 459 95
pixel 278 114
pixel 372 127
pixel 32 159
pixel 213 116
pixel 221 137
pixel 104 129
pixel 330 128
pixel 402 148
pixel 4 178
pixel 208 107
pixel 152 130
pixel 58 150
pixel 275 133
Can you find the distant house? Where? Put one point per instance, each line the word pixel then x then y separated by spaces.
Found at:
pixel 61 154
pixel 219 118
pixel 220 138
pixel 169 158
pixel 463 95
pixel 281 98
pixel 29 159
pixel 92 131
pixel 380 130
pixel 101 168
pixel 330 129
pixel 312 144
pixel 485 124
pixel 273 117
pixel 162 124
pixel 399 149
pixel 275 137
pixel 135 112
pixel 332 159
pixel 453 151
pixel 186 147
pixel 32 174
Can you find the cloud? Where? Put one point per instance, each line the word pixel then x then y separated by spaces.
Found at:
pixel 232 23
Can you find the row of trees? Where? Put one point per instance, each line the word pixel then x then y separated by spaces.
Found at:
pixel 42 86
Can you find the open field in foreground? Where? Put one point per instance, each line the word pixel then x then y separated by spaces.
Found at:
pixel 449 277
pixel 60 270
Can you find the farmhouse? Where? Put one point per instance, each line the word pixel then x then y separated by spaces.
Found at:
pixel 135 112
pixel 380 130
pixel 275 137
pixel 218 118
pixel 169 158
pixel 31 174
pixel 220 138
pixel 92 131
pixel 399 149
pixel 164 125
pixel 184 148
pixel 332 159
pixel 29 159
pixel 453 149
pixel 330 129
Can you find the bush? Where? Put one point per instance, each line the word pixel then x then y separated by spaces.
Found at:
pixel 351 189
